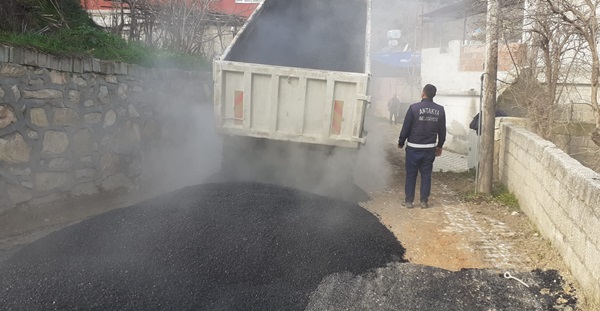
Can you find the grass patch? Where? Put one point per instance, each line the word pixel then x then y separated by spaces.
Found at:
pixel 87 41
pixel 470 174
pixel 500 195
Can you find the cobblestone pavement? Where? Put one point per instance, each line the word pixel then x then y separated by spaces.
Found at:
pixel 487 235
pixel 450 162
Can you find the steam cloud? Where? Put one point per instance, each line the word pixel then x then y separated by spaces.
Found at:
pixel 316 34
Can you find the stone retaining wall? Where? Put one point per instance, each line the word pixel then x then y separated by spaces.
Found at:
pixel 560 196
pixel 71 127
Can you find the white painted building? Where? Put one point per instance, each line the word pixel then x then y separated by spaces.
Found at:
pixel 456 71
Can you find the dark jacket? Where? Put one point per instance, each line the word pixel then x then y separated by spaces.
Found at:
pixel 424 126
pixel 474 125
pixel 394 105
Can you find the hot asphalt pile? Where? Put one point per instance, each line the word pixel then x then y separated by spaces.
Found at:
pixel 248 246
pixel 231 246
pixel 316 34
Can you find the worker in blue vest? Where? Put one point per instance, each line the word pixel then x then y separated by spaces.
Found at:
pixel 424 133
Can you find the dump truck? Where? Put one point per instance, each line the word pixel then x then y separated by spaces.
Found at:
pixel 293 86
pixel 297 71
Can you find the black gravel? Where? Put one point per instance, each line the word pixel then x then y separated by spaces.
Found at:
pixel 405 286
pixel 231 246
pixel 316 34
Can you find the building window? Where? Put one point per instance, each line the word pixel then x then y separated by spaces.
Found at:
pixel 248 1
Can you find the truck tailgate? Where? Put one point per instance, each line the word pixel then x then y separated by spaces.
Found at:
pixel 291 104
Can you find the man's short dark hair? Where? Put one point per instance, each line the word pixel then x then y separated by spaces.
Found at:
pixel 429 91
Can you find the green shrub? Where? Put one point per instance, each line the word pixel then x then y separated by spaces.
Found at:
pixel 504 197
pixel 87 41
pixel 64 29
pixel 500 195
pixel 41 16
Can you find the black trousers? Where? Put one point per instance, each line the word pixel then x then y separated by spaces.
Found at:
pixel 418 161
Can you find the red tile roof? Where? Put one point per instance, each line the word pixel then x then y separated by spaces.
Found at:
pixel 220 6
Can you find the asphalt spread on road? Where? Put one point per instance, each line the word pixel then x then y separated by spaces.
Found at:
pixel 230 246
pixel 249 246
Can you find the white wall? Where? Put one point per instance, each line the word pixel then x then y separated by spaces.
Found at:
pixel 442 70
pixel 458 91
pixel 560 196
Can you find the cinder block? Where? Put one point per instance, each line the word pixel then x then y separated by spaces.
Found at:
pixel 585 278
pixel 536 169
pixel 107 67
pixel 591 227
pixel 87 65
pixel 53 62
pixel 120 68
pixel 591 193
pixel 531 181
pixel 551 200
pixel 4 54
pixel 575 238
pixel 42 60
pixel 542 221
pixel 131 70
pixel 529 210
pixel 505 130
pixel 536 149
pixel 581 181
pixel 77 65
pixel 18 56
pixel 30 58
pixel 594 200
pixel 565 199
pixel 517 169
pixel 11 52
pixel 66 65
pixel 557 214
pixel 142 72
pixel 574 210
pixel 517 138
pixel 96 65
pixel 572 260
pixel 552 186
pixel 559 240
pixel 576 182
pixel 520 154
pixel 559 171
pixel 591 259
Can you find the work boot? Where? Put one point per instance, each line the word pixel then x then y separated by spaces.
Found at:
pixel 424 204
pixel 408 204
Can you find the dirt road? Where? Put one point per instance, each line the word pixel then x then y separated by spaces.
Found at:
pixel 454 234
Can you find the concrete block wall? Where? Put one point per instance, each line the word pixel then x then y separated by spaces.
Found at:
pixel 71 127
pixel 560 196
